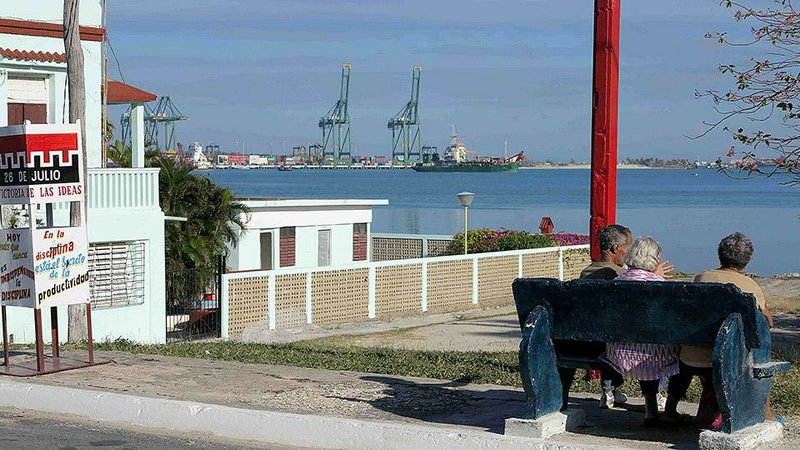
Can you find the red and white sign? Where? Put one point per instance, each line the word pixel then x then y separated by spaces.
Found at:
pixel 40 164
pixel 42 266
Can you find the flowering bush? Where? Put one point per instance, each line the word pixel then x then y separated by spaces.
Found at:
pixel 570 238
pixel 485 240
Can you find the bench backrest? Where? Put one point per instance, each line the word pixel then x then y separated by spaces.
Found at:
pixel 654 312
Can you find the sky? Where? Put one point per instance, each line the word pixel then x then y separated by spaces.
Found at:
pixel 256 75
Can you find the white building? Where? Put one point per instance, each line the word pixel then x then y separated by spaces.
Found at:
pixel 259 160
pixel 125 221
pixel 199 159
pixel 304 234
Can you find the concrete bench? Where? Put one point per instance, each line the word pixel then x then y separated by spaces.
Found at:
pixel 705 314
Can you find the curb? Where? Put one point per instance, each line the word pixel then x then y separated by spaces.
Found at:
pixel 303 430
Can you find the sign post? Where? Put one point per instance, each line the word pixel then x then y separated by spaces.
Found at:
pixel 43 242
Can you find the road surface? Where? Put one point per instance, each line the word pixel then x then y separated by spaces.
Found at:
pixel 30 430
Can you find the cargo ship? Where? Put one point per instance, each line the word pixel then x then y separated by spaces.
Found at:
pixel 455 160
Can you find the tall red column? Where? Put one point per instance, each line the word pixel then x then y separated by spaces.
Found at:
pixel 605 95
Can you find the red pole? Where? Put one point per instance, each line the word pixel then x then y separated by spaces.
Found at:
pixel 605 94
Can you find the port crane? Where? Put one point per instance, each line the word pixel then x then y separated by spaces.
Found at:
pixel 164 112
pixel 335 124
pixel 406 141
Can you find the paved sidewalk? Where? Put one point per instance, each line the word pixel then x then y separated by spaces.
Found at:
pixel 350 395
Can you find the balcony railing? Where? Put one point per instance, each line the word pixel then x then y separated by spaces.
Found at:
pixel 123 188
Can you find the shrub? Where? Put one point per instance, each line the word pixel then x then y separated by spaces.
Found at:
pixel 484 240
pixel 570 238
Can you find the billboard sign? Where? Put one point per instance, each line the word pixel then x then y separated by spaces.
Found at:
pixel 42 266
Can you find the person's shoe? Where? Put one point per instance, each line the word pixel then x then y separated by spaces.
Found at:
pixel 607 400
pixel 662 402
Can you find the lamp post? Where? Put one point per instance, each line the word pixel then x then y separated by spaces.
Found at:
pixel 465 198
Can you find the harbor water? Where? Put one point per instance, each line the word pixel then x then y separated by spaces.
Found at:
pixel 687 211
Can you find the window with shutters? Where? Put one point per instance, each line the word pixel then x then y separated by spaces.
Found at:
pixel 266 251
pixel 116 274
pixel 359 242
pixel 287 247
pixel 324 248
pixel 27 100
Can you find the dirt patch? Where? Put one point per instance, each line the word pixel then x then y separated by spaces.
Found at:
pixel 783 294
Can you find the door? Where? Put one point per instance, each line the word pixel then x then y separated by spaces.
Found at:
pixel 18 113
pixel 324 248
pixel 266 251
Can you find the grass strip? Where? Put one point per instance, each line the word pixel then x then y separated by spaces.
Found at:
pixel 501 368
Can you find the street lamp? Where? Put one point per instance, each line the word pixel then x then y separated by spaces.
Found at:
pixel 465 198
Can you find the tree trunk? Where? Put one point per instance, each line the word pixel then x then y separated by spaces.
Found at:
pixel 77 112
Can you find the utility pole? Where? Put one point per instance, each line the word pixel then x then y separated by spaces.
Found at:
pixel 76 87
pixel 605 108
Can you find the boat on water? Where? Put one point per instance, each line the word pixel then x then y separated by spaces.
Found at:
pixel 455 160
pixel 284 168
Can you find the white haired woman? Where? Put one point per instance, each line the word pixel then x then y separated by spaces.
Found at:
pixel 648 363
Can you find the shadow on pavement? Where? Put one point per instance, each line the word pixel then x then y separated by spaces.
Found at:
pixel 452 403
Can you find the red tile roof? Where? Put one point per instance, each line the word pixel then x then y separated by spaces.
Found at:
pixel 121 93
pixel 24 55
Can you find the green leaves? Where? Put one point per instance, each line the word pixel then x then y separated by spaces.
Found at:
pixel 215 219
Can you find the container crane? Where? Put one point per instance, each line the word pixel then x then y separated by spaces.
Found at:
pixel 335 124
pixel 164 112
pixel 406 141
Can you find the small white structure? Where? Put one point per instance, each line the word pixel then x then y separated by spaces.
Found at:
pixel 304 234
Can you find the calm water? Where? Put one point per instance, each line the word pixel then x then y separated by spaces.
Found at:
pixel 688 214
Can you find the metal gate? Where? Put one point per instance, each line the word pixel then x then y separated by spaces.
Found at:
pixel 193 303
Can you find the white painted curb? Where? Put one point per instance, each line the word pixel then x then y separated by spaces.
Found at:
pixel 259 425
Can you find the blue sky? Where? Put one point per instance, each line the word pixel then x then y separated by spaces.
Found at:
pixel 263 72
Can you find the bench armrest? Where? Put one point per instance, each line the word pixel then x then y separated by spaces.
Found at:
pixel 767 370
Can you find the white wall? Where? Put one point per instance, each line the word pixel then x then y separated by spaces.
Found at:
pixel 305 247
pixel 144 323
pixel 308 216
pixel 247 255
pixel 341 244
pixel 307 222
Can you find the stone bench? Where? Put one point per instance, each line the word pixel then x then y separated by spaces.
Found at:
pixel 684 313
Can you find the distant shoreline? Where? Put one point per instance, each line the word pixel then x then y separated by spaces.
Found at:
pixel 588 166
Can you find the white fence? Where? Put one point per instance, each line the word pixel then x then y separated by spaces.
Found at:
pixel 289 298
pixel 387 247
